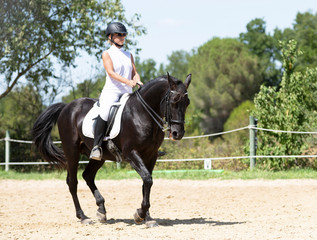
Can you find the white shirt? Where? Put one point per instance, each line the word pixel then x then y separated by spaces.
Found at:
pixel 122 65
pixel 113 89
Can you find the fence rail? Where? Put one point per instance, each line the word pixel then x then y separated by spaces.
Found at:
pixel 207 161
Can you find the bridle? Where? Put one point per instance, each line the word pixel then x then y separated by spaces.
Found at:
pixel 167 110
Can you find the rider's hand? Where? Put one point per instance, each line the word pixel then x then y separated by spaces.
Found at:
pixel 131 83
pixel 137 79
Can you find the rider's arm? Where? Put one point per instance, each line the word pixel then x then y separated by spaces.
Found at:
pixel 107 63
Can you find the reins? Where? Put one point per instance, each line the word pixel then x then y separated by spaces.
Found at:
pixel 167 112
pixel 151 112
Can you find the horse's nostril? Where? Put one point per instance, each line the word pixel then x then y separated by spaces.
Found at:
pixel 175 134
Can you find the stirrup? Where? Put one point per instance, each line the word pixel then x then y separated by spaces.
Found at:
pixel 96 153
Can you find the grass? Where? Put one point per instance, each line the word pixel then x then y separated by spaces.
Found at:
pixel 115 174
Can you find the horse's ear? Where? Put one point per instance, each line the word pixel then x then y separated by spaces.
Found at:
pixel 171 82
pixel 188 80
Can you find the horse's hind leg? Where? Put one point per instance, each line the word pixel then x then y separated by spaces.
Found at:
pixel 72 182
pixel 89 176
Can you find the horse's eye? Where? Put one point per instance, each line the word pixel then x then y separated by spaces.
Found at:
pixel 176 98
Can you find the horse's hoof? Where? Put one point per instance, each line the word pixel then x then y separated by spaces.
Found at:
pixel 102 217
pixel 87 221
pixel 151 223
pixel 137 218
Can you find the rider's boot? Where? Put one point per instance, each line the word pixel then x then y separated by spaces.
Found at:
pixel 99 133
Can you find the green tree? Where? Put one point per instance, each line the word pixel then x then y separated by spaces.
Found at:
pixel 292 107
pixel 161 70
pixel 305 28
pixel 226 74
pixel 146 69
pixel 304 31
pixel 239 117
pixel 33 33
pixel 89 88
pixel 178 64
pixel 18 113
pixel 264 46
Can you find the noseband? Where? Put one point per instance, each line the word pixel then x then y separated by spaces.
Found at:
pixel 167 110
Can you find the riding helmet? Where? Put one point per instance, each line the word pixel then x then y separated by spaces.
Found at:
pixel 115 27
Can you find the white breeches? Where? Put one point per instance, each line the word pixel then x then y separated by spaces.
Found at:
pixel 106 100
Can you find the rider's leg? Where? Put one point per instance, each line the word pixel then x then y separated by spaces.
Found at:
pixel 99 133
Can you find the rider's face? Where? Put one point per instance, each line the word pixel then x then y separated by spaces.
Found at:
pixel 119 38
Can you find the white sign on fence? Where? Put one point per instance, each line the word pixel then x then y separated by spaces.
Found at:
pixel 207 164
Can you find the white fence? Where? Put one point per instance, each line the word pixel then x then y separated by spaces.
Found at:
pixel 207 160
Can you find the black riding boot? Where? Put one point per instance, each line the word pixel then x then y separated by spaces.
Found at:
pixel 99 133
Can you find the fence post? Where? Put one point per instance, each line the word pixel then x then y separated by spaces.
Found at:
pixel 252 142
pixel 118 165
pixel 7 150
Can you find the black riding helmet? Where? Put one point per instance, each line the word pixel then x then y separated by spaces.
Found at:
pixel 115 27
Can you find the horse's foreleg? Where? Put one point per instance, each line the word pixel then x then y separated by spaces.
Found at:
pixel 143 212
pixel 89 175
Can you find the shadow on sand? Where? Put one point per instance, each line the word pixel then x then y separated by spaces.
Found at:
pixel 172 222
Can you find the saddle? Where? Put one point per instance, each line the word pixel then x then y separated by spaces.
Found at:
pixel 114 124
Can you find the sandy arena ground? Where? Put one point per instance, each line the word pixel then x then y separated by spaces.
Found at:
pixel 211 209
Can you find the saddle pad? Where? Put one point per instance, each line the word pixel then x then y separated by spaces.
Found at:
pixel 89 120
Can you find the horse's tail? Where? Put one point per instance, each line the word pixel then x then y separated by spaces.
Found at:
pixel 41 133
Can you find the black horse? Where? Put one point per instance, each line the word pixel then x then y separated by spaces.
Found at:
pixel 141 135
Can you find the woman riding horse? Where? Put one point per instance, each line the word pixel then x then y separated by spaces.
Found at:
pixel 121 78
pixel 162 101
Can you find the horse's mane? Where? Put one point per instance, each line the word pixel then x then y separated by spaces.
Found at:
pixel 157 82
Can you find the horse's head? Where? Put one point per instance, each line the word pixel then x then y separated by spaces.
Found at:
pixel 178 102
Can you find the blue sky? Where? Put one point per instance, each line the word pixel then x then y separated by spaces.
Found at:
pixel 186 24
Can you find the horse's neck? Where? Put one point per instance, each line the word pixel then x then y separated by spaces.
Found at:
pixel 154 96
